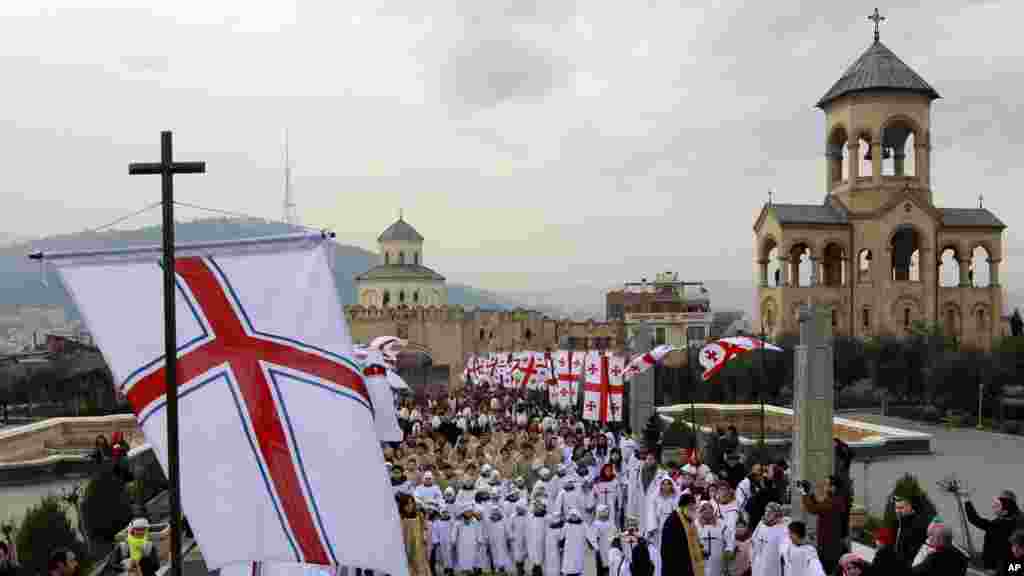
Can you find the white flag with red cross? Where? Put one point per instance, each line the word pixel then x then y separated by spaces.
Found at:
pixel 715 355
pixel 543 372
pixel 568 367
pixel 279 456
pixel 504 370
pixel 604 389
pixel 643 362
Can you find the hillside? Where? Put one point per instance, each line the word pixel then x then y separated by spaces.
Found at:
pixel 20 277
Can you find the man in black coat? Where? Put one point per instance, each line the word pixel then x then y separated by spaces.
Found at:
pixel 997 530
pixel 911 529
pixel 681 553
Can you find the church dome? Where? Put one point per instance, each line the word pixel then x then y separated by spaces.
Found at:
pixel 878 69
pixel 400 231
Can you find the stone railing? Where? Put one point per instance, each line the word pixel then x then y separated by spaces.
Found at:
pixel 34 442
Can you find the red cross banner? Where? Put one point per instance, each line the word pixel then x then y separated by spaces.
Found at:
pixel 715 355
pixel 279 453
pixel 643 362
pixel 603 391
pixel 540 364
pixel 568 366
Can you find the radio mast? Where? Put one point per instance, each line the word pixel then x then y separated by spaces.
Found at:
pixel 291 215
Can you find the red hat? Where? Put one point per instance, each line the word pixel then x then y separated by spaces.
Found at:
pixel 885 536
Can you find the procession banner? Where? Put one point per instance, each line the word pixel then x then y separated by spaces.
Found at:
pixel 715 355
pixel 279 456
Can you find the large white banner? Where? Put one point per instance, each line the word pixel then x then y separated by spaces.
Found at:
pixel 279 453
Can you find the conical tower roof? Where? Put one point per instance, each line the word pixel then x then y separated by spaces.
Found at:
pixel 878 69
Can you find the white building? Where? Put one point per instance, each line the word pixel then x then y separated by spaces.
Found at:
pixel 401 279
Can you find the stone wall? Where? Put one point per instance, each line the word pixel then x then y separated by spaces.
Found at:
pixel 31 442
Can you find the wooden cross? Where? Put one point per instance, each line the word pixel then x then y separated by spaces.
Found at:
pixel 167 168
pixel 876 18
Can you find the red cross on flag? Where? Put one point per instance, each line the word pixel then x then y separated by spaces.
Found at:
pixel 715 355
pixel 643 362
pixel 604 388
pixel 569 367
pixel 279 456
pixel 543 374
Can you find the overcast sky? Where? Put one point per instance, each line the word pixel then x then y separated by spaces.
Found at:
pixel 534 143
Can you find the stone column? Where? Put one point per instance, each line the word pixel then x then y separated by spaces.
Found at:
pixel 853 147
pixel 814 270
pixel 876 163
pixel 898 158
pixel 921 161
pixel 993 272
pixel 965 265
pixel 762 267
pixel 641 387
pixel 812 404
pixel 783 270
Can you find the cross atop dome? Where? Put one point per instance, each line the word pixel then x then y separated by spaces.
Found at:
pixel 876 18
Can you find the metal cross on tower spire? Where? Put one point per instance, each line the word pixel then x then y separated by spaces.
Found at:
pixel 876 18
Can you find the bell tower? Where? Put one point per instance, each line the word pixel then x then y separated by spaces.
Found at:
pixel 877 131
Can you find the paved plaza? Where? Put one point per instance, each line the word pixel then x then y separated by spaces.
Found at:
pixel 988 462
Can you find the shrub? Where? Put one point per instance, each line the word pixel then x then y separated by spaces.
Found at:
pixel 44 528
pixel 909 489
pixel 106 506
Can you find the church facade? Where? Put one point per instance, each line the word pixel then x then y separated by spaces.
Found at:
pixel 878 250
pixel 402 297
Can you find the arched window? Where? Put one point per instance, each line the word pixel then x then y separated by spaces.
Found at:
pixel 906 318
pixel 416 258
pixel 980 270
pixel 864 266
pixel 401 257
pixel 949 268
pixel 528 335
pixel 482 334
pixel 387 258
pixel 905 246
pixel 387 297
pixel 416 296
pixel 401 297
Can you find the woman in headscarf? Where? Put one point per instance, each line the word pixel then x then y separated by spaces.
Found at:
pixel 414 534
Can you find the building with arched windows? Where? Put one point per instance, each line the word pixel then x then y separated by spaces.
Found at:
pixel 402 297
pixel 401 279
pixel 877 249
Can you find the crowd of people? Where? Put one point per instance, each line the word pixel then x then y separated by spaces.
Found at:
pixel 489 482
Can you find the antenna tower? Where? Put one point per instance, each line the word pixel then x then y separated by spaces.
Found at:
pixel 291 215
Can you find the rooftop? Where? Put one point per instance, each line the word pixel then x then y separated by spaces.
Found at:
pixel 878 69
pixel 400 231
pixel 400 272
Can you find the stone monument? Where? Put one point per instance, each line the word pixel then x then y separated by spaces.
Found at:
pixel 641 387
pixel 812 405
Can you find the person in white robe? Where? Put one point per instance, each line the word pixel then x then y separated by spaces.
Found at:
pixel 661 506
pixel 553 539
pixel 607 488
pixel 497 539
pixel 441 540
pixel 467 541
pixel 467 491
pixel 574 535
pixel 715 540
pixel 768 541
pixel 800 558
pixel 599 538
pixel 517 533
pixel 428 492
pixel 536 532
pixel 642 487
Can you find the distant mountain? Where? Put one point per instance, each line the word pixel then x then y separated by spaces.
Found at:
pixel 20 277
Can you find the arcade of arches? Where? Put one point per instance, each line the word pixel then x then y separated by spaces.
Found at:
pixel 878 250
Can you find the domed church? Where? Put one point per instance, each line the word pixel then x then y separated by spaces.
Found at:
pixel 401 279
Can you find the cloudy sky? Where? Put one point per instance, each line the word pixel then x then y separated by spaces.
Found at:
pixel 535 143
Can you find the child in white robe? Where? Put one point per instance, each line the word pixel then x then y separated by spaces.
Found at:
pixel 799 558
pixel 467 541
pixel 536 532
pixel 768 541
pixel 599 539
pixel 715 540
pixel 553 546
pixel 570 497
pixel 441 537
pixel 517 525
pixel 575 544
pixel 497 539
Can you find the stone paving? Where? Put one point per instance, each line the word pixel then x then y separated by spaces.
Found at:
pixel 988 462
